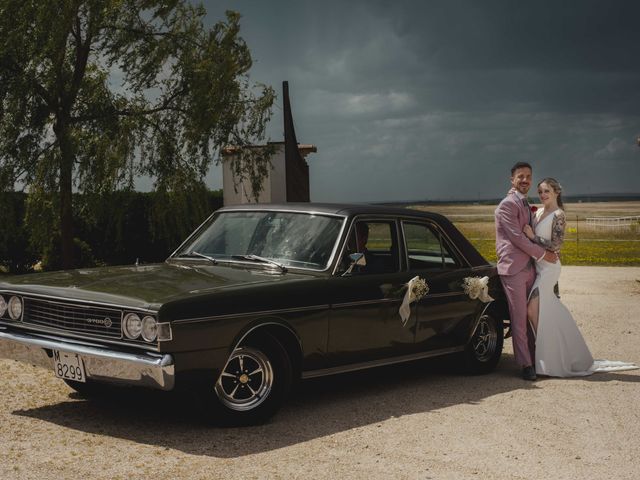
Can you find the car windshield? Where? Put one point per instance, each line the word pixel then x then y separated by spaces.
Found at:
pixel 291 239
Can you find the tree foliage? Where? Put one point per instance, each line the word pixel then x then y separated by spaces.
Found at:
pixel 96 93
pixel 124 227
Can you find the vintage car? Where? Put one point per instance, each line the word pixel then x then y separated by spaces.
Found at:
pixel 260 296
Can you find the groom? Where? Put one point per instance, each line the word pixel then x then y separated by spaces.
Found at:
pixel 515 267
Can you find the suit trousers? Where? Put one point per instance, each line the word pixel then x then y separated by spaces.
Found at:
pixel 517 289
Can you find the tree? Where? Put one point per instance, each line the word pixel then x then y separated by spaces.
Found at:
pixel 96 93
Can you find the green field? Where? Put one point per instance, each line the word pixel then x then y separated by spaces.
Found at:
pixel 584 244
pixel 584 252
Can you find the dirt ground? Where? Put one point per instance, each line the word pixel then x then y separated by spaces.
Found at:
pixel 418 421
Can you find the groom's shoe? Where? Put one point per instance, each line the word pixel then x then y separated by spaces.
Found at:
pixel 529 373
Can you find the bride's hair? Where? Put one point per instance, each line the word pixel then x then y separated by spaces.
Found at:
pixel 553 183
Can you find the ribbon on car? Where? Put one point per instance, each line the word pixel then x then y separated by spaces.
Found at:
pixel 416 289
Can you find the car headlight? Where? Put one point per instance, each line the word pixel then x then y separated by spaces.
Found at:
pixel 149 329
pixel 3 306
pixel 132 326
pixel 15 308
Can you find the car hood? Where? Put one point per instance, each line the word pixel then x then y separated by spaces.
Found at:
pixel 144 286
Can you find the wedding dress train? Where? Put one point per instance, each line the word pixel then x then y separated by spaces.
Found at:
pixel 560 348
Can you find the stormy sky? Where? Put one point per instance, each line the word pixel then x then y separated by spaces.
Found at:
pixel 435 100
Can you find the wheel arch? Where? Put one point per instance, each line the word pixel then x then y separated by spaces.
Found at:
pixel 483 353
pixel 282 332
pixel 496 308
pixel 500 310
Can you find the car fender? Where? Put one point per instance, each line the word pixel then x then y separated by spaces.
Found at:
pixel 278 328
pixel 494 307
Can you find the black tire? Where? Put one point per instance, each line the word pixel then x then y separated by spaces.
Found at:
pixel 253 385
pixel 484 349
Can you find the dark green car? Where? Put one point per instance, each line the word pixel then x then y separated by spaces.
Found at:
pixel 258 297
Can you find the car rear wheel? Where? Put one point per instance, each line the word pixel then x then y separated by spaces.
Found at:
pixel 485 346
pixel 252 386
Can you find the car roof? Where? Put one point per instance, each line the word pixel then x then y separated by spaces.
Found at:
pixel 342 209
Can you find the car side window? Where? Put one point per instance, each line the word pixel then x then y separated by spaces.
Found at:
pixel 377 240
pixel 426 249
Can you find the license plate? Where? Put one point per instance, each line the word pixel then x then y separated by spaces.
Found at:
pixel 68 366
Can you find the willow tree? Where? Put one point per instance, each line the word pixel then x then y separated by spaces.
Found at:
pixel 96 93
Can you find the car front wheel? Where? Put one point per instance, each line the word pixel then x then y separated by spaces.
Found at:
pixel 485 346
pixel 253 385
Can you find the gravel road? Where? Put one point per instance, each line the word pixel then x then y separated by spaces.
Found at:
pixel 418 421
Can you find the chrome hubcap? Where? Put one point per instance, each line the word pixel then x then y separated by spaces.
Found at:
pixel 485 339
pixel 246 379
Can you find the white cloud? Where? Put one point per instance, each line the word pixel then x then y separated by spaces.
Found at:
pixel 379 103
pixel 615 147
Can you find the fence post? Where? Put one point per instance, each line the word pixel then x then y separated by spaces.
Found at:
pixel 577 239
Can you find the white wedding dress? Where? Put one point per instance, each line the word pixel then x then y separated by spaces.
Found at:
pixel 560 349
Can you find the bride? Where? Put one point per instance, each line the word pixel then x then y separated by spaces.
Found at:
pixel 560 349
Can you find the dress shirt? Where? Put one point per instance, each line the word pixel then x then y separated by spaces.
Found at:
pixel 526 204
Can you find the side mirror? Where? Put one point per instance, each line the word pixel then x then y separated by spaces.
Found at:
pixel 356 259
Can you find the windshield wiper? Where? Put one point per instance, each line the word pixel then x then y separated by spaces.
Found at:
pixel 193 253
pixel 257 258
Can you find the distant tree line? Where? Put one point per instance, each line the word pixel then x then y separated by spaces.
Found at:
pixel 115 229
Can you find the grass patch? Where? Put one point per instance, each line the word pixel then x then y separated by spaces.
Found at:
pixel 585 252
pixel 588 252
pixel 600 248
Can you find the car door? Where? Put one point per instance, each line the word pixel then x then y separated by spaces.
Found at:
pixel 445 314
pixel 364 320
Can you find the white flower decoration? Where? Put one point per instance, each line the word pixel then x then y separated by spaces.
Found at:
pixel 416 289
pixel 477 287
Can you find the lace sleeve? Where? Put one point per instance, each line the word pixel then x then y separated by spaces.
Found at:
pixel 557 233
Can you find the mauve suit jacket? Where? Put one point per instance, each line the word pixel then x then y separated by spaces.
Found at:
pixel 513 247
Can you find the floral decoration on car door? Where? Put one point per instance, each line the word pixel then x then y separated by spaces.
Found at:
pixel 477 287
pixel 416 289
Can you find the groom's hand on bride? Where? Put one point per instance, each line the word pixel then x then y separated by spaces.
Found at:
pixel 551 257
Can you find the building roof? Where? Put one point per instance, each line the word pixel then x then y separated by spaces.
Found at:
pixel 304 148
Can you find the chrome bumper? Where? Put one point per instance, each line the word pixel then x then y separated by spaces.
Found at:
pixel 101 364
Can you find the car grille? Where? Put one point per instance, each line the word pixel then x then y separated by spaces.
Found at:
pixel 90 319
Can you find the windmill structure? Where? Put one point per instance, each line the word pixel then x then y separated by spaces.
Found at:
pixel 288 177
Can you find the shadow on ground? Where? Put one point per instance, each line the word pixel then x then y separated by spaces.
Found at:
pixel 318 408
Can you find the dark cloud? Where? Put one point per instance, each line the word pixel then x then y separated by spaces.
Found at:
pixel 436 99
